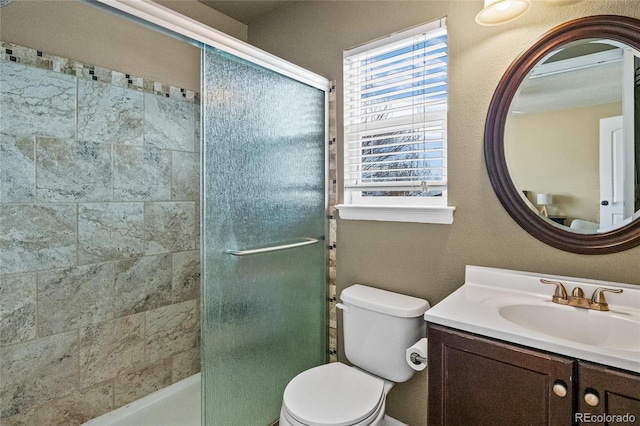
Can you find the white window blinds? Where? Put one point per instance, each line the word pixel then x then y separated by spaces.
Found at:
pixel 395 109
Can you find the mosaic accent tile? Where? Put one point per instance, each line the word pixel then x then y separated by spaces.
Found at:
pixel 171 330
pixel 170 227
pixel 37 372
pixel 77 408
pixel 110 348
pixel 185 283
pixel 120 79
pixel 37 236
pixel 175 92
pixel 333 200
pixel 168 123
pixel 333 322
pixel 332 231
pixel 34 58
pixel 74 297
pixel 185 364
pixel 333 317
pixel 141 174
pixel 107 113
pixel 109 231
pixel 333 106
pixel 71 170
pixel 333 345
pixel 142 284
pixel 105 75
pixel 135 384
pixel 17 169
pixel 17 308
pixel 94 73
pixel 36 102
pixel 332 265
pixel 185 176
pixel 161 89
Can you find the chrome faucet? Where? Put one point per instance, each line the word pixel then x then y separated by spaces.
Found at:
pixel 577 299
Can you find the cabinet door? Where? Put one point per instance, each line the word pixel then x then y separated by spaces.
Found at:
pixel 607 392
pixel 478 381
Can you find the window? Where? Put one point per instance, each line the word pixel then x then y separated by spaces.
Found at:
pixel 395 128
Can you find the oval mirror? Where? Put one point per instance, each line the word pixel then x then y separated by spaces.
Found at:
pixel 562 137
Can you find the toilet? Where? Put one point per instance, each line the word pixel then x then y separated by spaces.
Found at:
pixel 379 326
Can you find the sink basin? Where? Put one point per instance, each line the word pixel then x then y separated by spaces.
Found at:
pixel 607 330
pixel 513 306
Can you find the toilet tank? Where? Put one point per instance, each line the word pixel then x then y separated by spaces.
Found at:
pixel 378 327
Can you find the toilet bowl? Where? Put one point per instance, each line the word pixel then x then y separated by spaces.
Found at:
pixel 334 395
pixel 378 327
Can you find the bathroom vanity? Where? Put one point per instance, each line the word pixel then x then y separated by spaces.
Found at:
pixel 502 353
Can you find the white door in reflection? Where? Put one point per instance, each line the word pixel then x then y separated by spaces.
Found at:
pixel 612 172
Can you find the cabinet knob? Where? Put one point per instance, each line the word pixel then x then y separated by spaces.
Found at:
pixel 560 389
pixel 591 399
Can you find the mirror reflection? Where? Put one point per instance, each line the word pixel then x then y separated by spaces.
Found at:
pixel 572 136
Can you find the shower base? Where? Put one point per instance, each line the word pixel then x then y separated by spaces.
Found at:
pixel 178 404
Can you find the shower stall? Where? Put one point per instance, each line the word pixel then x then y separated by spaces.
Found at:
pixel 148 231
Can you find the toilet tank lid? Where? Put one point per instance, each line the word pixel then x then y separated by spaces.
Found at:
pixel 386 302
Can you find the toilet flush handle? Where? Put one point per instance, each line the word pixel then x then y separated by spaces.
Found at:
pixel 343 307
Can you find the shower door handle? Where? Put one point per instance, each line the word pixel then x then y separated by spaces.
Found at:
pixel 305 242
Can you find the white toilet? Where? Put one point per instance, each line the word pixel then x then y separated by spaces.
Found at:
pixel 378 327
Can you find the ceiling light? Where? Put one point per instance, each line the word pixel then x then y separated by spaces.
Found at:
pixel 497 12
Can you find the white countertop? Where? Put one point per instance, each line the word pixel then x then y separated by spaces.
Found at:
pixel 479 307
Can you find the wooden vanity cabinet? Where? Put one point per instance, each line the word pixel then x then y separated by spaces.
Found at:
pixel 608 392
pixel 478 381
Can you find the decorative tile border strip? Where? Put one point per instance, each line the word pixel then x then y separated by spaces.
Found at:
pixel 333 197
pixel 35 58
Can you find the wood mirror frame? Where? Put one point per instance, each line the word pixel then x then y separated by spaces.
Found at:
pixel 618 28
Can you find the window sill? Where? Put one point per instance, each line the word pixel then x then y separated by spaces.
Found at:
pixel 391 213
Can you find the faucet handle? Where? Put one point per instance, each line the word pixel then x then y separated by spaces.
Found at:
pixel 560 295
pixel 598 300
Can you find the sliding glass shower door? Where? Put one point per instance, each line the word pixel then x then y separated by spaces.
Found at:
pixel 263 188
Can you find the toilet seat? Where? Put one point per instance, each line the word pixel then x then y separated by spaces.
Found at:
pixel 334 395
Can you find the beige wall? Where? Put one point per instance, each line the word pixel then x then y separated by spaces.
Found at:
pixel 429 260
pixel 558 153
pixel 84 33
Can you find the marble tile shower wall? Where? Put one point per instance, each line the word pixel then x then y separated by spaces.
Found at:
pixel 99 238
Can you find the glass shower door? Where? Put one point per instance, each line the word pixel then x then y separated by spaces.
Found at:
pixel 263 187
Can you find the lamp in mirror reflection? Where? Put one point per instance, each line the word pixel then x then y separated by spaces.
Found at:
pixel 544 200
pixel 498 12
